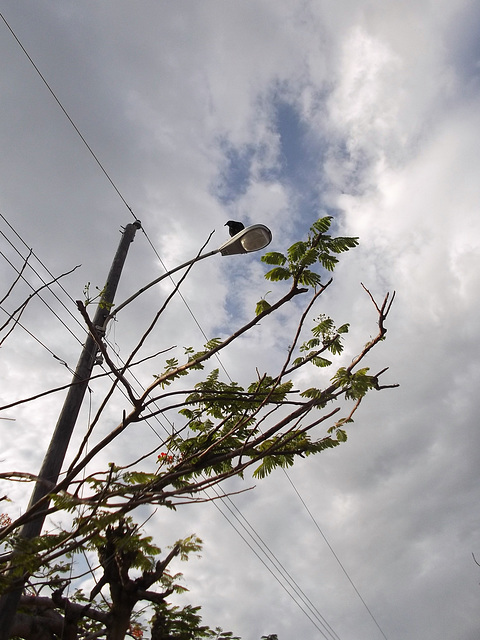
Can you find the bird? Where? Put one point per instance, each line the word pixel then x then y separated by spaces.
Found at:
pixel 234 227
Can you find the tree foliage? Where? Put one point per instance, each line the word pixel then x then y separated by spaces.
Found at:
pixel 224 429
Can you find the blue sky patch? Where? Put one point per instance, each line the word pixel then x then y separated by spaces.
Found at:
pixel 235 177
pixel 298 167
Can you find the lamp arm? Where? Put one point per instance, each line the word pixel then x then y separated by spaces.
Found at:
pixel 159 279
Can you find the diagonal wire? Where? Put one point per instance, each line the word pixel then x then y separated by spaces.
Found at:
pixel 265 549
pixel 40 296
pixel 334 554
pixel 82 138
pixel 44 266
pixel 186 303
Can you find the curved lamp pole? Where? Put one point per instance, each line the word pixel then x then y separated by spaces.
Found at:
pixel 253 238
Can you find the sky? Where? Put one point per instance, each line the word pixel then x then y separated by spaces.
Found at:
pixel 275 112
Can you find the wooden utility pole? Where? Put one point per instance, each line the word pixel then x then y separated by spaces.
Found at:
pixel 53 461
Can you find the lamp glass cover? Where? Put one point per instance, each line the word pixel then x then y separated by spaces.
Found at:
pixel 255 239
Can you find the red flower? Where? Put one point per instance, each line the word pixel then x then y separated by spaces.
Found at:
pixel 5 520
pixel 165 457
pixel 136 632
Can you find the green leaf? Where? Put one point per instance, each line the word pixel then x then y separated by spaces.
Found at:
pixel 297 251
pixel 309 278
pixel 327 261
pixel 269 463
pixel 324 328
pixel 310 257
pixel 312 393
pixel 262 305
pixel 322 224
pixel 213 344
pixel 274 257
pixel 138 477
pixel 321 362
pixel 341 244
pixel 342 377
pixel 335 346
pixel 344 328
pixel 355 384
pixel 313 343
pixel 278 273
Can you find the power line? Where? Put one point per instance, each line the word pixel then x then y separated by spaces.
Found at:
pixel 82 138
pixel 42 344
pixel 44 266
pixel 259 543
pixel 40 277
pixel 284 578
pixel 186 303
pixel 335 555
pixel 275 562
pixel 101 166
pixel 40 297
pixel 265 549
pixel 293 589
pixel 104 171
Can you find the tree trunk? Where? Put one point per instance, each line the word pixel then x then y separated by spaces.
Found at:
pixel 120 618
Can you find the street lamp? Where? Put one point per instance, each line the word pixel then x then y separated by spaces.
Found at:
pixel 250 239
pixel 253 238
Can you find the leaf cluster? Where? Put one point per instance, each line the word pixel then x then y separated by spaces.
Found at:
pixel 325 337
pixel 222 418
pixel 355 383
pixel 184 623
pixel 319 248
pixel 90 298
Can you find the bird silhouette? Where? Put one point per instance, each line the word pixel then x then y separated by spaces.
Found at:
pixel 234 227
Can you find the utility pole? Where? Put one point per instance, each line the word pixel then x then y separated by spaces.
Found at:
pixel 53 461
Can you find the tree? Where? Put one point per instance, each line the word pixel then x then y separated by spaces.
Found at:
pixel 225 430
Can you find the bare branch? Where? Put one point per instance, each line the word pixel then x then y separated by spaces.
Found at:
pixel 99 342
pixel 19 276
pixel 75 382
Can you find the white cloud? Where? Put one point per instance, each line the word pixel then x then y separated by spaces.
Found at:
pixel 385 97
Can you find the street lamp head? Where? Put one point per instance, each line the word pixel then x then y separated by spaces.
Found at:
pixel 252 238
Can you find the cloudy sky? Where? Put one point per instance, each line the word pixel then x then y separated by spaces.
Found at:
pixel 279 112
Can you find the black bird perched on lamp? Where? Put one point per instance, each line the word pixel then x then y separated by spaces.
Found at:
pixel 234 227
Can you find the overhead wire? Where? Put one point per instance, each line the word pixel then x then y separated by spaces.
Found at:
pixel 44 266
pixel 370 613
pixel 39 295
pixel 266 556
pixel 269 554
pixel 335 555
pixel 189 309
pixel 42 344
pixel 279 566
pixel 110 180
pixel 44 80
pixel 293 589
pixel 49 286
